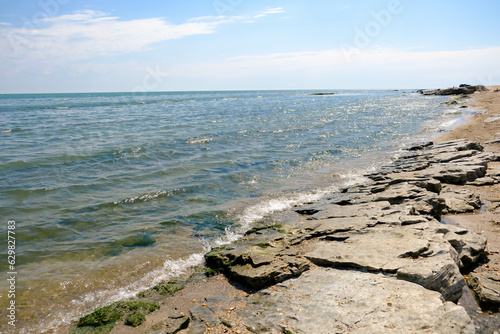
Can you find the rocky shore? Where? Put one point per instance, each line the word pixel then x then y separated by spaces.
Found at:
pixel 463 89
pixel 372 258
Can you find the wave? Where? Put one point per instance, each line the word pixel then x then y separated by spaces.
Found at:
pixel 144 197
pixel 90 301
pixel 267 206
pixel 201 140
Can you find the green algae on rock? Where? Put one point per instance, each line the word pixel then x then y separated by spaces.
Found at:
pixel 116 312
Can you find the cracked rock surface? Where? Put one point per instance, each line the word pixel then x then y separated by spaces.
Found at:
pixel 372 258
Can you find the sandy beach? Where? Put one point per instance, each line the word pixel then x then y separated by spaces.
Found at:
pixel 230 303
pixel 487 221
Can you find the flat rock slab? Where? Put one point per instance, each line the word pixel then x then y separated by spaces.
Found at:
pixel 353 302
pixel 407 252
pixel 377 250
pixel 358 210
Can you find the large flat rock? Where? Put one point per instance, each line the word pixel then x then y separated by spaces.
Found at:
pixel 415 254
pixel 348 301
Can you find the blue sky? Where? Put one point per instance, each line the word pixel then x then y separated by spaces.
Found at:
pixel 107 46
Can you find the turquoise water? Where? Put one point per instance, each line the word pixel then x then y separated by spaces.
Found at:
pixel 112 193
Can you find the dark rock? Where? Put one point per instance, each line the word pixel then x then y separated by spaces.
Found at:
pixel 260 264
pixel 462 90
pixel 177 324
pixel 202 317
pixel 420 146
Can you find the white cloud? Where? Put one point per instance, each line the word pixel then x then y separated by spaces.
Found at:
pixel 268 11
pixel 5 24
pixel 88 34
pixel 274 10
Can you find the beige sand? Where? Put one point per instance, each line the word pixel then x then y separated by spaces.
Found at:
pixel 487 221
pixel 488 103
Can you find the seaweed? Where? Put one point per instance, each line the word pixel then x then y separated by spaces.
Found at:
pixel 169 288
pixel 135 311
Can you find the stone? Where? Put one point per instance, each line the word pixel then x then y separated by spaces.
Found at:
pixel 260 264
pixel 202 317
pixel 335 226
pixel 176 324
pixel 281 269
pixel 457 100
pixel 494 141
pixel 486 286
pixel 453 173
pixel 354 302
pixel 460 201
pixel 469 245
pixel 421 146
pixel 483 181
pixel 411 254
pixel 379 250
pixel 357 210
pixel 492 118
pixel 463 90
pixel 399 193
pixel 339 199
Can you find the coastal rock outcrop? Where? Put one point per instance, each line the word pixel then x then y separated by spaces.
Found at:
pixel 461 90
pixel 380 246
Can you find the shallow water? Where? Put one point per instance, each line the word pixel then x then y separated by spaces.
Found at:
pixel 112 193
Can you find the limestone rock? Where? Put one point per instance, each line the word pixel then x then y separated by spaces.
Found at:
pixel 279 270
pixel 358 210
pixel 354 302
pixel 259 265
pixel 483 181
pixel 410 253
pixel 383 261
pixel 486 285
pixel 379 250
pixel 460 201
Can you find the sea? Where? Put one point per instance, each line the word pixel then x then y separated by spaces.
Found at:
pixel 104 195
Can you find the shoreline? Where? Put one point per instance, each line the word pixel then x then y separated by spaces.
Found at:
pixel 200 292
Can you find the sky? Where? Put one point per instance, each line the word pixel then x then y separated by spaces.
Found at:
pixel 64 46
